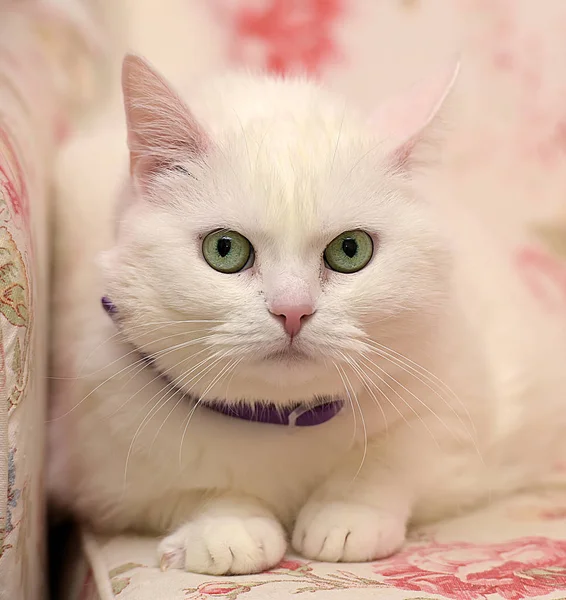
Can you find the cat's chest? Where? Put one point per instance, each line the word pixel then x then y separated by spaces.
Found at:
pixel 196 447
pixel 279 464
pixel 220 450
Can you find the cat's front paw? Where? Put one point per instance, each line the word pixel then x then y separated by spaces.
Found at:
pixel 338 531
pixel 224 546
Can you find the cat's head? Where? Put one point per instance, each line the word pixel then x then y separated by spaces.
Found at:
pixel 271 237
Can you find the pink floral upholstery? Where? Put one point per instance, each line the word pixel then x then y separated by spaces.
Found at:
pixel 291 34
pixel 46 56
pixel 513 550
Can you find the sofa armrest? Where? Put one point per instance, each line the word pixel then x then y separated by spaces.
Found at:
pixel 48 71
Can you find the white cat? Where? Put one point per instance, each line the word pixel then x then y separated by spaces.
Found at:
pixel 291 341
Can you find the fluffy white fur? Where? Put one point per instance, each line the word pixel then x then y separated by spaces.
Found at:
pixel 454 385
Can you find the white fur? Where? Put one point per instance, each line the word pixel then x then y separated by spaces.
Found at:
pixel 467 404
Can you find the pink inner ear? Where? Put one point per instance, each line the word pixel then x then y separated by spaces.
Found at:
pixel 161 128
pixel 403 119
pixel 401 157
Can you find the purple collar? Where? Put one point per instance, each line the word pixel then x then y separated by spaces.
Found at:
pixel 300 415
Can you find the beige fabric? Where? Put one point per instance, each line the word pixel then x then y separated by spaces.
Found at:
pixel 47 52
pixel 513 550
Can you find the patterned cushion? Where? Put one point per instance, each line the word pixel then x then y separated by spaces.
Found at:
pixel 39 87
pixel 513 550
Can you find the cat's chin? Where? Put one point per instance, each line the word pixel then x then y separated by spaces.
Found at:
pixel 283 381
pixel 289 356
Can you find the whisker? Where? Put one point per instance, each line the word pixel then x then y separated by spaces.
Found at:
pixel 360 374
pixel 201 396
pixel 364 455
pixel 143 361
pixel 245 140
pixel 165 351
pixel 152 412
pixel 161 325
pixel 368 380
pixel 171 386
pixel 413 369
pixel 338 137
pixel 232 377
pixel 418 371
pixel 428 375
pixel 161 374
pixel 340 373
pixel 97 347
pixel 403 400
pixel 176 405
pixel 94 390
pixel 137 348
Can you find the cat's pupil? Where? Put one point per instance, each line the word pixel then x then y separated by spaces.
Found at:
pixel 224 246
pixel 349 247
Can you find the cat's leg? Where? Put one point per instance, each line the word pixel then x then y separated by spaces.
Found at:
pixel 354 518
pixel 234 535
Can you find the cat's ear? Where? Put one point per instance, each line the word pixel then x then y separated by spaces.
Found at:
pixel 161 128
pixel 408 121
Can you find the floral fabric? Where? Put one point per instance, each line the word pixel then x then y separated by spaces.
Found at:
pixel 289 34
pixel 513 550
pixel 46 57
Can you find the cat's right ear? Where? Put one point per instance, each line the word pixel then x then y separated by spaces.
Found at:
pixel 161 129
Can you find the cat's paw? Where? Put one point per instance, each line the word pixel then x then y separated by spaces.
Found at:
pixel 224 546
pixel 338 531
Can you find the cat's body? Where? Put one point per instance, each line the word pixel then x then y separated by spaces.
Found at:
pixel 473 375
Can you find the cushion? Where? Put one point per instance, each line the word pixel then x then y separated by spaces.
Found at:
pixel 39 85
pixel 511 550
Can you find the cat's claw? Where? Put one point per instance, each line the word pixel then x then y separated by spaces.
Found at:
pixel 224 546
pixel 338 531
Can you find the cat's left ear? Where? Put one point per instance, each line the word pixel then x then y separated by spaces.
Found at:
pixel 407 122
pixel 161 129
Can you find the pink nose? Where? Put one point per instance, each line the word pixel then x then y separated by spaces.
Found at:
pixel 292 316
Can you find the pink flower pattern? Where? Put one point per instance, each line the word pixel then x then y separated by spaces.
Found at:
pixel 292 34
pixel 544 275
pixel 13 184
pixel 524 568
pixel 222 589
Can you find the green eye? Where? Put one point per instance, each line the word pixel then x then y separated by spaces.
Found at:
pixel 349 252
pixel 227 251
